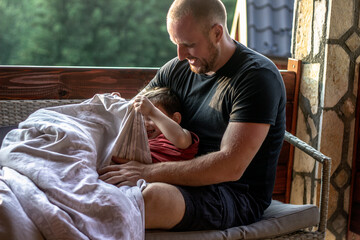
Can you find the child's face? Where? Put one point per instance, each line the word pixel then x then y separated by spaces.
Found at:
pixel 152 130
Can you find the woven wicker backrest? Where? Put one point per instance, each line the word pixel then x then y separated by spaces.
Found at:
pixel 13 112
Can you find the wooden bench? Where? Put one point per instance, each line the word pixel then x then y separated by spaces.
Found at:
pixel 24 89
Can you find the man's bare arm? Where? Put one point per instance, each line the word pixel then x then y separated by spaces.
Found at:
pixel 239 145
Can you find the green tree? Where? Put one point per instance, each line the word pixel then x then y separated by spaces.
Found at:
pixel 13 27
pixel 125 33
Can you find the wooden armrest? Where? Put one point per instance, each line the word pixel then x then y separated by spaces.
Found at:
pixel 325 178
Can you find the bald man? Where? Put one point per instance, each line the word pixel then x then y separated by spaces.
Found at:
pixel 234 100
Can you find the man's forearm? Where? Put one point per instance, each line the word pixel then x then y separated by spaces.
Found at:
pixel 239 145
pixel 204 170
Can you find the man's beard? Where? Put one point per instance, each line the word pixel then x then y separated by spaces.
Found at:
pixel 207 65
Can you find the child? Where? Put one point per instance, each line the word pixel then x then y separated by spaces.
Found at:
pixel 168 141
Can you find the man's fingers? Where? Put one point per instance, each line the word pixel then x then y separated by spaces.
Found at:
pixel 112 178
pixel 125 172
pixel 117 180
pixel 108 169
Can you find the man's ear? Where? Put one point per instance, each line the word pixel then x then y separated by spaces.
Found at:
pixel 176 117
pixel 218 31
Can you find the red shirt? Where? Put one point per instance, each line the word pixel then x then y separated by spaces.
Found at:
pixel 162 150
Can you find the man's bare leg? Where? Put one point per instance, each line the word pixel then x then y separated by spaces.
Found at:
pixel 164 206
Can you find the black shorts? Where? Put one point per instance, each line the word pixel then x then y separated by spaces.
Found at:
pixel 219 206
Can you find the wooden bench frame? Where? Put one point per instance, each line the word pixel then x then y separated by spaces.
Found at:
pixel 24 89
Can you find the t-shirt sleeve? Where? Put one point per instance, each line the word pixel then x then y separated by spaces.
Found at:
pixel 257 97
pixel 162 76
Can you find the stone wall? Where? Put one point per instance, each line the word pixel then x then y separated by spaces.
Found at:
pixel 326 37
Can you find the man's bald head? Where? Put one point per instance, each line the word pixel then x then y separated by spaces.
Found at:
pixel 205 12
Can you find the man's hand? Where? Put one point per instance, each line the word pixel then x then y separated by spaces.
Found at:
pixel 125 172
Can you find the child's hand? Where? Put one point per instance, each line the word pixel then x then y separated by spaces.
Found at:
pixel 116 94
pixel 143 105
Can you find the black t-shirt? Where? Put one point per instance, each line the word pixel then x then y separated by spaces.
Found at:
pixel 248 88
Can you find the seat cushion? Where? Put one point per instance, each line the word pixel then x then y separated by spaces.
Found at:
pixel 278 219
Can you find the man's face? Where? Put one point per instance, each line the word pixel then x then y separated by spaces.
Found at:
pixel 193 45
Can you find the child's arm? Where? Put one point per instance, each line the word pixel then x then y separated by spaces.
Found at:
pixel 180 137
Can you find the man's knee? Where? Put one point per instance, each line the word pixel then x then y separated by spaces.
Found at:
pixel 162 196
pixel 164 205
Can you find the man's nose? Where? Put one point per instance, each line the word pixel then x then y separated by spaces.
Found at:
pixel 182 52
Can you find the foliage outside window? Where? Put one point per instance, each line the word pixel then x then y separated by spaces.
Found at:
pixel 123 33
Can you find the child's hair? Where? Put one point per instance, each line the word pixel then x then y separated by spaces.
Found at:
pixel 164 97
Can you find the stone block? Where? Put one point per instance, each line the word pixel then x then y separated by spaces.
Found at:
pixel 297 190
pixel 329 235
pixel 304 29
pixel 333 200
pixel 341 17
pixel 319 24
pixel 351 142
pixel 342 178
pixel 302 161
pixel 310 84
pixel 332 138
pixel 353 42
pixel 347 199
pixel 336 75
pixel 356 76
